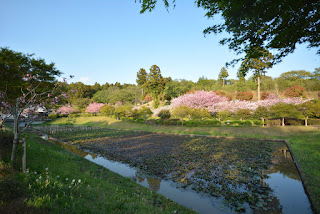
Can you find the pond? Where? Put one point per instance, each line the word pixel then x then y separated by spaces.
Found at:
pixel 276 186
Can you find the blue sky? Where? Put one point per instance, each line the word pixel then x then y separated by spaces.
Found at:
pixel 109 40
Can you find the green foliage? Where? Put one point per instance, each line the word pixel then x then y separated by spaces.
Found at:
pixel 181 112
pixel 122 111
pixel 141 77
pixel 261 113
pixel 164 114
pixel 16 67
pixel 155 83
pixel 284 110
pixel 296 75
pixel 223 75
pixel 81 103
pixel 52 116
pixel 223 115
pixel 243 114
pixel 255 23
pixel 144 112
pixel 107 110
pixel 175 88
pixel 201 114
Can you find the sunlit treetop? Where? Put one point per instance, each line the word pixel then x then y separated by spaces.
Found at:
pixel 274 25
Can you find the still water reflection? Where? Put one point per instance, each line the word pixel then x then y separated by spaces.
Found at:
pixel 284 180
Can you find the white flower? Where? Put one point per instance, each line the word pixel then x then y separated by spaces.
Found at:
pixel 58 176
pixel 37 180
pixel 47 168
pixel 35 173
pixel 73 180
pixel 79 181
pixel 69 186
pixel 67 179
pixel 40 177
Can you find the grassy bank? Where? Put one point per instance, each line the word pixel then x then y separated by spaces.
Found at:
pixel 61 182
pixel 304 142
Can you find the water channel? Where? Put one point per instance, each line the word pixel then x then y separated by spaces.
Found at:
pixel 283 178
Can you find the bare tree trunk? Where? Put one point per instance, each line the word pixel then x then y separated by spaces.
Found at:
pixel 262 122
pixel 258 88
pixel 306 121
pixel 283 122
pixel 222 82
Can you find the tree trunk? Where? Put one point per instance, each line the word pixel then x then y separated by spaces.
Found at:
pixel 24 156
pixel 283 122
pixel 258 88
pixel 15 130
pixel 262 122
pixel 306 121
pixel 222 82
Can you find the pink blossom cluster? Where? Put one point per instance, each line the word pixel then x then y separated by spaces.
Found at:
pixel 198 99
pixel 253 105
pixel 94 108
pixel 66 109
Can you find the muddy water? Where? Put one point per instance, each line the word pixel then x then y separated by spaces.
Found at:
pixel 283 179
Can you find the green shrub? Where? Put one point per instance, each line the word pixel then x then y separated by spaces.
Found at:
pixel 159 121
pixel 201 114
pixel 175 122
pixel 224 115
pixel 294 122
pixel 313 122
pixel 257 122
pixel 164 114
pixel 212 122
pixel 144 112
pixel 140 120
pixel 52 116
pixel 247 123
pixel 107 110
pixel 243 114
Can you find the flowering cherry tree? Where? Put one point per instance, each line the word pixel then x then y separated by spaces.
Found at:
pixel 94 108
pixel 26 84
pixel 198 99
pixel 66 109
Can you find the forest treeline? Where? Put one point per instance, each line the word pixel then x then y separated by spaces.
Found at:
pixel 152 86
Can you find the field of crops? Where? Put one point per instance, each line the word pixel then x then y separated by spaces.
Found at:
pixel 233 170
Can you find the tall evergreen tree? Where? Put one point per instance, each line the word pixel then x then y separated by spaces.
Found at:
pixel 257 60
pixel 155 83
pixel 141 79
pixel 223 75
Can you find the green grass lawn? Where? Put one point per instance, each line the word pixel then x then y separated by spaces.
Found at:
pixel 61 182
pixel 304 142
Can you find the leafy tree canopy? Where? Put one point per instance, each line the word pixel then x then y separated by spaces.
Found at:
pixel 273 24
pixel 22 72
pixel 295 75
pixel 257 65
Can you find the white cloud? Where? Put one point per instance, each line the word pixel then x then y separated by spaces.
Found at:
pixel 84 79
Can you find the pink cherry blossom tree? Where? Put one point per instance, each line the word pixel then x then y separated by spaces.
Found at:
pixel 94 108
pixel 198 99
pixel 66 109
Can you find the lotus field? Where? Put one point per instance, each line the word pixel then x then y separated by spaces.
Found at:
pixel 233 171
